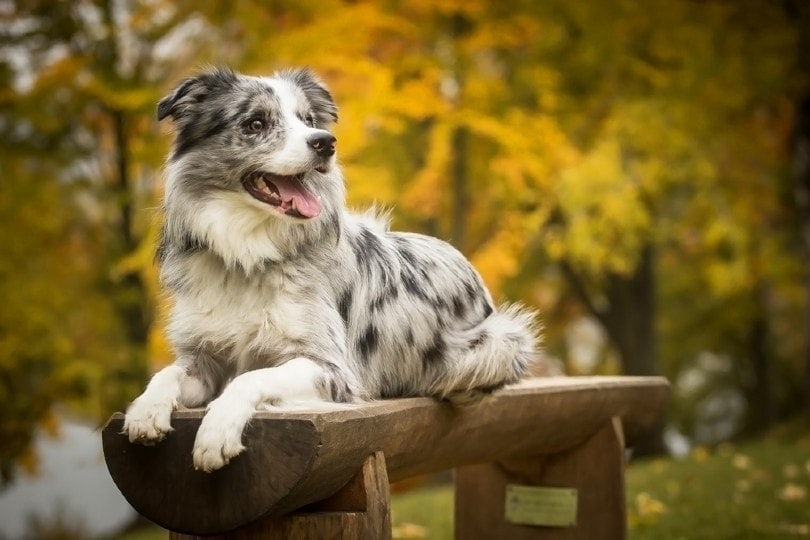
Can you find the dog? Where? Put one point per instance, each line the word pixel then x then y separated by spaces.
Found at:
pixel 281 295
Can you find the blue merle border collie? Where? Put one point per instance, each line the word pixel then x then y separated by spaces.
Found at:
pixel 280 295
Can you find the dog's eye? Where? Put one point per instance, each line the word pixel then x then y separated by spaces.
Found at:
pixel 256 125
pixel 309 119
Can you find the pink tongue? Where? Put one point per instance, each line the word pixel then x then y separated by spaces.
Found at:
pixel 290 189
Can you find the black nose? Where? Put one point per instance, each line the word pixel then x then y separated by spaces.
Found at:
pixel 323 144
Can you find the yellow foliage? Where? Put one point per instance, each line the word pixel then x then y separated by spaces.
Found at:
pixel 369 185
pixel 649 507
pixel 594 130
pixel 606 215
pixel 423 194
pixel 418 99
pixel 792 492
pixel 646 509
pixel 499 258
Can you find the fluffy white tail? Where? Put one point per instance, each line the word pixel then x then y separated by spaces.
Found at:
pixel 496 352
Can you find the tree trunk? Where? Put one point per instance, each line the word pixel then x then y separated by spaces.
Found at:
pixel 798 12
pixel 459 26
pixel 629 320
pixel 761 402
pixel 801 179
pixel 132 307
pixel 124 196
pixel 132 304
pixel 461 195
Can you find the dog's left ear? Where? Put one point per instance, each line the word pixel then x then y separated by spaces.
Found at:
pixel 322 103
pixel 194 91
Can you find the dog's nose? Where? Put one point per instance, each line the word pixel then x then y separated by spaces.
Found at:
pixel 323 144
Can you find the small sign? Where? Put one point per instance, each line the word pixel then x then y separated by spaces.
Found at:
pixel 535 505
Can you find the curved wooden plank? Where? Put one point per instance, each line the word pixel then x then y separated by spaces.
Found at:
pixel 160 481
pixel 296 458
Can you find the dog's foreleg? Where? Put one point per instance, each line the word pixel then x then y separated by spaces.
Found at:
pixel 219 437
pixel 148 418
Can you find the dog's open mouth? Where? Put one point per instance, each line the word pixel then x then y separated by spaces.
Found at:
pixel 286 193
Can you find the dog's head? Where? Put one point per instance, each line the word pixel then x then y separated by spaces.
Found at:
pixel 265 139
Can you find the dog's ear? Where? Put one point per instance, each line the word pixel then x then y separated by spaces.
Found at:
pixel 193 91
pixel 322 103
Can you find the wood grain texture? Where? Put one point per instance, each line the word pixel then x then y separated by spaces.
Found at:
pixel 595 468
pixel 297 458
pixel 361 510
pixel 161 483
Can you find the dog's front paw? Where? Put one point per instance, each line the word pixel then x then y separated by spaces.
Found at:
pixel 219 439
pixel 148 422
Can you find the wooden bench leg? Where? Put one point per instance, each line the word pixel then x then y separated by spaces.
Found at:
pixel 361 510
pixel 595 469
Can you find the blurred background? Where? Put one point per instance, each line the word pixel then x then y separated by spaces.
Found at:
pixel 638 171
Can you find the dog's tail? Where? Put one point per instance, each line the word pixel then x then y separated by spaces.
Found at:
pixel 498 351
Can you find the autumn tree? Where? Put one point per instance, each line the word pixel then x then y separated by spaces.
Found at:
pixel 602 140
pixel 625 161
pixel 80 172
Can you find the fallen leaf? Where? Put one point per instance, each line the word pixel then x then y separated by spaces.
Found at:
pixel 648 506
pixel 741 462
pixel 700 454
pixel 743 485
pixel 792 492
pixel 791 471
pixel 408 530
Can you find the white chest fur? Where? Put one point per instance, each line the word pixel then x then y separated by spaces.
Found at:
pixel 247 314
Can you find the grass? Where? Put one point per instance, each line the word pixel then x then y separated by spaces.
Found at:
pixel 759 489
pixel 423 513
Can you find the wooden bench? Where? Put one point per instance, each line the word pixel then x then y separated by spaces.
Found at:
pixel 558 444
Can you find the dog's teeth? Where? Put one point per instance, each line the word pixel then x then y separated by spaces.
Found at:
pixel 261 185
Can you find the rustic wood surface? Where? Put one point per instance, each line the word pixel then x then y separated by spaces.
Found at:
pixel 594 468
pixel 297 458
pixel 360 510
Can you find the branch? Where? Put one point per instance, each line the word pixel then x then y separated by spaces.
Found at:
pixel 581 291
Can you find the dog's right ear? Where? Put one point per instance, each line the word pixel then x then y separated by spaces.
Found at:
pixel 193 91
